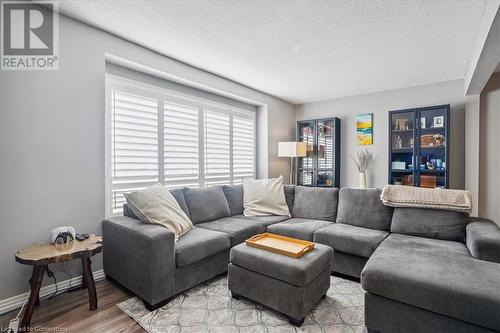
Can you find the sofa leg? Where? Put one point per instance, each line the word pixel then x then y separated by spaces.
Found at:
pixel 235 295
pixel 152 307
pixel 323 297
pixel 296 322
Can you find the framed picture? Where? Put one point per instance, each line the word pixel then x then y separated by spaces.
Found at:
pixel 422 122
pixel 438 121
pixel 364 129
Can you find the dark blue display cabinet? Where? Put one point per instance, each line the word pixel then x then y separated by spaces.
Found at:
pixel 419 147
pixel 321 166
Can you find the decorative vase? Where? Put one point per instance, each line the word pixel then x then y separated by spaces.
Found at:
pixel 362 180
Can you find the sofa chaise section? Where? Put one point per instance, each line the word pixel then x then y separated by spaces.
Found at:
pixel 438 276
pixel 425 271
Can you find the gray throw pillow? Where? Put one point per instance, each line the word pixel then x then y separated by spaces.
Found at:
pixel 206 204
pixel 315 203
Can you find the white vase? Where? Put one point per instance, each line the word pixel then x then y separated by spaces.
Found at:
pixel 362 180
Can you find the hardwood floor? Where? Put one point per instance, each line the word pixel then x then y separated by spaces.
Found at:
pixel 69 312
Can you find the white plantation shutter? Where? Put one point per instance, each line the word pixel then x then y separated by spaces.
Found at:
pixel 243 148
pixel 156 135
pixel 217 148
pixel 134 144
pixel 181 154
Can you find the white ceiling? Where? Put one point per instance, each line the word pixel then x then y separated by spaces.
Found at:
pixel 301 51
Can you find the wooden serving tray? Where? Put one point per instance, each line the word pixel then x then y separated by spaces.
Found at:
pixel 287 246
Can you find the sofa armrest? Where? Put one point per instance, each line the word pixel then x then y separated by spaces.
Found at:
pixel 483 239
pixel 140 256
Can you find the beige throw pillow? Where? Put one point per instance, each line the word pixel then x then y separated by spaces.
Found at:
pixel 157 205
pixel 262 197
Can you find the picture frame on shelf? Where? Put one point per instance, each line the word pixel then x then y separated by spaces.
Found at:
pixel 422 122
pixel 438 122
pixel 398 165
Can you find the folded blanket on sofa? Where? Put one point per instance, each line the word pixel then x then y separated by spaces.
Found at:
pixel 417 197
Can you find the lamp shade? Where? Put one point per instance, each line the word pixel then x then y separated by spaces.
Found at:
pixel 292 149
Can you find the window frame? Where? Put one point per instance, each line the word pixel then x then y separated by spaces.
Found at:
pixel 115 82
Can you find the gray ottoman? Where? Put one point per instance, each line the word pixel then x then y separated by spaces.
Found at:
pixel 291 286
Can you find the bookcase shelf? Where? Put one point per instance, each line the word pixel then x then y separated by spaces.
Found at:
pixel 321 166
pixel 419 142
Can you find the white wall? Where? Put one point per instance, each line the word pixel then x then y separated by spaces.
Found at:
pixel 52 141
pixel 379 104
pixel 489 151
pixel 472 150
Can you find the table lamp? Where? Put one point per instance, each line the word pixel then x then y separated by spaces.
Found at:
pixel 292 149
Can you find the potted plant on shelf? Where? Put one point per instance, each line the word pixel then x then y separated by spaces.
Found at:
pixel 362 162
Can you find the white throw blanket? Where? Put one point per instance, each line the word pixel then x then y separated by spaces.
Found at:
pixel 417 197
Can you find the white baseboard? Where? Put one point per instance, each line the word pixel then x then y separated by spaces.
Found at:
pixel 14 302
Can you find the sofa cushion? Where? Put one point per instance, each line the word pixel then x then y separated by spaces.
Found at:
pixel 363 208
pixel 262 197
pixel 289 196
pixel 350 239
pixel 178 194
pixel 483 239
pixel 298 228
pixel 238 229
pixel 234 197
pixel 296 271
pixel 198 244
pixel 264 220
pixel 315 203
pixel 430 223
pixel 435 275
pixel 206 204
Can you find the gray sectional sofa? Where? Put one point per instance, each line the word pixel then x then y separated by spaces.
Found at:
pixel 423 270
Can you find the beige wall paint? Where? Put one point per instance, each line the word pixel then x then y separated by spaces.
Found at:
pixel 52 142
pixel 379 104
pixel 489 150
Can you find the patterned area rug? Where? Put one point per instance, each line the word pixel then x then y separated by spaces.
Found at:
pixel 209 308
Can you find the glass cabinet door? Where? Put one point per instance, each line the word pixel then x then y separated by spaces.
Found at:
pixel 325 144
pixel 432 154
pixel 324 135
pixel 402 127
pixel 305 178
pixel 305 164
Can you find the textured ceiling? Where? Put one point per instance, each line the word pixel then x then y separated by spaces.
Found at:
pixel 301 51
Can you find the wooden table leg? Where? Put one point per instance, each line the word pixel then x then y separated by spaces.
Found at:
pixel 32 283
pixel 36 282
pixel 89 278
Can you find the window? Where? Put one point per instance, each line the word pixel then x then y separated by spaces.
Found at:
pixel 154 135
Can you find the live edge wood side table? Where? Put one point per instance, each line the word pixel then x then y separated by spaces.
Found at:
pixel 40 255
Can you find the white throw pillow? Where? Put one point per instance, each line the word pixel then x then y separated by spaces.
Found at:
pixel 262 197
pixel 157 205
